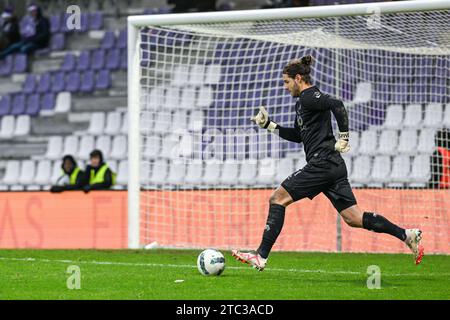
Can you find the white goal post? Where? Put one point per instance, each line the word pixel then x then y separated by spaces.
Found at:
pixel 158 49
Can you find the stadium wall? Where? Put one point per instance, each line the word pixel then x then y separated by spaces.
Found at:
pixel 99 220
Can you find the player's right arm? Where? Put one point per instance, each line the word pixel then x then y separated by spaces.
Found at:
pixel 263 121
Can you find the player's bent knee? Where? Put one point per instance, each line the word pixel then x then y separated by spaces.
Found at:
pixel 280 197
pixel 351 221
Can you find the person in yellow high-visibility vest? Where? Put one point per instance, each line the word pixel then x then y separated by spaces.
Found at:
pixel 71 178
pixel 98 176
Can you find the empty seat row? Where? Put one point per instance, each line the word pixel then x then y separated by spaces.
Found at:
pixel 88 21
pixel 186 98
pixel 111 123
pixel 35 103
pixel 434 115
pixel 16 63
pixel 95 59
pixel 113 40
pixel 397 171
pixel 14 126
pixel 196 74
pixel 390 141
pixel 37 175
pixel 250 173
pixel 166 121
pixel 59 81
pixel 80 147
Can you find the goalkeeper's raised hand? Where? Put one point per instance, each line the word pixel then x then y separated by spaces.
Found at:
pixel 263 121
pixel 341 144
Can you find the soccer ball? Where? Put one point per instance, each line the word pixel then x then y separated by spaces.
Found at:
pixel 210 262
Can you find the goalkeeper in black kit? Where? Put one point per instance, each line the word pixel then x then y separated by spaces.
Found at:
pixel 325 170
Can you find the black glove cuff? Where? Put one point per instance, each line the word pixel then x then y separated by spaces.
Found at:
pixel 267 123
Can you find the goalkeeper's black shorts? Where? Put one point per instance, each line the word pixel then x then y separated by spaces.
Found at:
pixel 327 175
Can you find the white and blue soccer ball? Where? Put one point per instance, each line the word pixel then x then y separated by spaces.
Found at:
pixel 211 262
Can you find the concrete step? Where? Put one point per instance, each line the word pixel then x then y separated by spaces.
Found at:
pixel 45 64
pixel 119 79
pixel 55 125
pixel 100 103
pixel 7 86
pixel 81 42
pixel 21 150
pixel 114 23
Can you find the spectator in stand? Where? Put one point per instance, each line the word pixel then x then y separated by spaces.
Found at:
pixel 37 38
pixel 9 28
pixel 72 177
pixel 98 176
pixel 440 161
pixel 271 4
pixel 181 6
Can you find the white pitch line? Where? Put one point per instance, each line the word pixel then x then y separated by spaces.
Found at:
pixel 161 265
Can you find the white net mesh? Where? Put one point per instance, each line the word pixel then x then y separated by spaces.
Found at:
pixel 207 172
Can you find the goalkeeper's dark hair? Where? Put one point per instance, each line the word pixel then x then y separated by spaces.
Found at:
pixel 299 66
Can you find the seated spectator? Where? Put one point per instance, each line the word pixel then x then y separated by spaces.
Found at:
pixel 9 29
pixel 37 38
pixel 98 176
pixel 72 177
pixel 440 161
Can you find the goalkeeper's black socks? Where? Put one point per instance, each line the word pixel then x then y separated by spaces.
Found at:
pixel 274 224
pixel 377 223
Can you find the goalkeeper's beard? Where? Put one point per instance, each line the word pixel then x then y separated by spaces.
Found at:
pixel 296 90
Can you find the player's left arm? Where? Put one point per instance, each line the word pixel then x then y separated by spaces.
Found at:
pixel 341 115
pixel 339 111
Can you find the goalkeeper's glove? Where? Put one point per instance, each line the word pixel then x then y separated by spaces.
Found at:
pixel 341 144
pixel 263 121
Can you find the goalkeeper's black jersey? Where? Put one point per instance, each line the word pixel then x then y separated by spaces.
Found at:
pixel 313 122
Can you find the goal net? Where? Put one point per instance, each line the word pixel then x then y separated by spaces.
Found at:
pixel 201 173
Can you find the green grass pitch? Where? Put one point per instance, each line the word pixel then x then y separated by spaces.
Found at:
pixel 127 274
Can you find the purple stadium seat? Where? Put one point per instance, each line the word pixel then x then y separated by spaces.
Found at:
pixel 109 40
pixel 44 83
pixel 84 61
pixel 18 104
pixel 58 82
pixel 48 102
pixel 6 66
pixel 103 80
pixel 20 63
pixel 57 42
pixel 55 23
pixel 122 39
pixel 29 85
pixel 87 81
pixel 73 81
pixel 33 104
pixel 124 59
pixel 113 59
pixel 98 59
pixel 69 62
pixel 96 21
pixel 5 104
pixel 84 22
